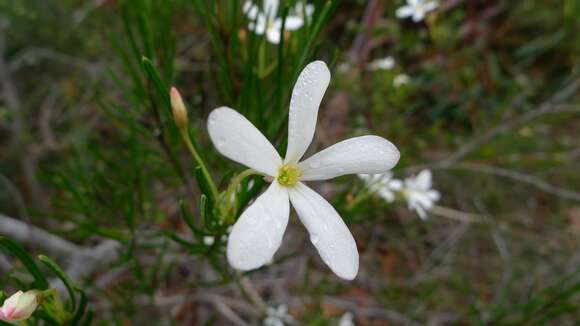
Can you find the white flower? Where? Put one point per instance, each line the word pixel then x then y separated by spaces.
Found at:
pixel 382 64
pixel 382 184
pixel 208 240
pixel 278 316
pixel 265 20
pixel 347 319
pixel 343 67
pixel 19 306
pixel 258 232
pixel 417 9
pixel 303 10
pixel 420 197
pixel 401 79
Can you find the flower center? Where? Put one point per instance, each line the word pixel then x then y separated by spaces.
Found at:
pixel 288 175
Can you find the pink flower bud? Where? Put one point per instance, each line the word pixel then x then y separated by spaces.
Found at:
pixel 178 108
pixel 19 306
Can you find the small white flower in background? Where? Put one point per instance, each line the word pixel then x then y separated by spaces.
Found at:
pixel 400 80
pixel 208 240
pixel 382 184
pixel 347 319
pixel 266 21
pixel 19 306
pixel 303 10
pixel 417 9
pixel 278 316
pixel 419 194
pixel 343 67
pixel 387 63
pixel 258 232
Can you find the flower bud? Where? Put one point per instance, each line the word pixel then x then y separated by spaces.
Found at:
pixel 178 108
pixel 19 306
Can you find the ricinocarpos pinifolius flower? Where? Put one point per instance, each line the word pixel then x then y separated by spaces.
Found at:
pixel 258 233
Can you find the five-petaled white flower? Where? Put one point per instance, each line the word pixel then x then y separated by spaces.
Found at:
pixel 265 20
pixel 258 232
pixel 303 10
pixel 401 79
pixel 278 316
pixel 417 9
pixel 386 63
pixel 418 193
pixel 382 184
pixel 19 306
pixel 347 319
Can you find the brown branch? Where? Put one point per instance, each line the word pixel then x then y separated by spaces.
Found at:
pixel 549 106
pixel 80 261
pixel 516 176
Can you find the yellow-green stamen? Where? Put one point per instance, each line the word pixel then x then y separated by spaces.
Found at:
pixel 288 175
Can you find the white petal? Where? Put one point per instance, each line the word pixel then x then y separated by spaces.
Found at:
pixel 271 8
pixel 309 9
pixel 251 10
pixel 328 232
pixel 365 154
pixel 306 98
pixel 237 139
pixel 396 184
pixel 273 35
pixel 423 180
pixel 431 5
pixel 417 208
pixel 433 195
pixel 418 15
pixel 421 199
pixel 404 12
pixel 387 195
pixel 260 26
pixel 12 301
pixel 258 232
pixel 293 23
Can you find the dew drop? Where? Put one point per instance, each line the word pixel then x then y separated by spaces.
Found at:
pixel 314 239
pixel 314 164
pixel 252 220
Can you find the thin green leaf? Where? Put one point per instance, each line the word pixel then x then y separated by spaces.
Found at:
pixel 19 252
pixel 62 276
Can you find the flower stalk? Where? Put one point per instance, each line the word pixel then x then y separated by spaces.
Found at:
pixel 181 121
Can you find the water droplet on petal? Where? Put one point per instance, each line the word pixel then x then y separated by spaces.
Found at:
pixel 314 239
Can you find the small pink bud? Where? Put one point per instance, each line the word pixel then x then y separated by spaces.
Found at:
pixel 19 306
pixel 178 108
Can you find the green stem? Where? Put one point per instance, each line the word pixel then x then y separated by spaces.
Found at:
pixel 185 135
pixel 234 185
pixel 359 198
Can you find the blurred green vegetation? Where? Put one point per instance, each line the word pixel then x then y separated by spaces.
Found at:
pixel 89 151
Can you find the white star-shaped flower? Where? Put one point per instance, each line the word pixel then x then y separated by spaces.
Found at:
pixel 386 63
pixel 401 79
pixel 258 232
pixel 417 9
pixel 265 20
pixel 303 10
pixel 278 316
pixel 382 184
pixel 419 194
pixel 347 319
